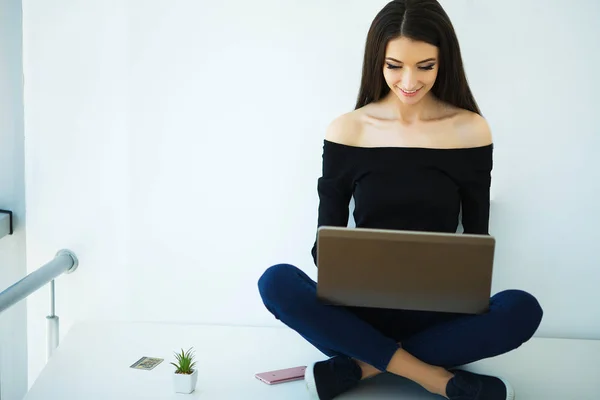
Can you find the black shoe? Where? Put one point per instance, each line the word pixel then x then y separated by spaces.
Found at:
pixel 470 386
pixel 328 379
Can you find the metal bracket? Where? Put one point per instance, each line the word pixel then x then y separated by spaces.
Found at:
pixel 66 252
pixel 6 223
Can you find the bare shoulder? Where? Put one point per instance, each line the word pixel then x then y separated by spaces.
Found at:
pixel 345 129
pixel 472 129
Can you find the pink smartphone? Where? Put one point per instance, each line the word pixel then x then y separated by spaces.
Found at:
pixel 282 375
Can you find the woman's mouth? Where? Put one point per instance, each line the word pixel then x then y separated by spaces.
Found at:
pixel 409 93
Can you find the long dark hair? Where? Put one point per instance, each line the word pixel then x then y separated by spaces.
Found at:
pixel 422 20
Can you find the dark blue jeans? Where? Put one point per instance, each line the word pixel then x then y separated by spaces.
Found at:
pixel 372 335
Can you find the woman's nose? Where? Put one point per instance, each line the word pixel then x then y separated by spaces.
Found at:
pixel 409 81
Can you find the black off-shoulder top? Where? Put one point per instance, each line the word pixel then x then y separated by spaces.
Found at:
pixel 405 188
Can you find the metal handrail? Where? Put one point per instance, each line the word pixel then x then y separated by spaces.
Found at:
pixel 64 262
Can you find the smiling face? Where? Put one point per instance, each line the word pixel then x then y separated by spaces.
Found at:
pixel 410 68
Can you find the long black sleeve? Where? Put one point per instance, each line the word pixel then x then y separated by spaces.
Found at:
pixel 474 182
pixel 334 188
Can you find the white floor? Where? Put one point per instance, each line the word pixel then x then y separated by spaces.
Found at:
pixel 93 362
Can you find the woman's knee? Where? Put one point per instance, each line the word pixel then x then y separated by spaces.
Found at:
pixel 275 280
pixel 523 310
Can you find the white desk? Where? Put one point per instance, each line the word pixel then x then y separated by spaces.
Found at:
pixel 93 362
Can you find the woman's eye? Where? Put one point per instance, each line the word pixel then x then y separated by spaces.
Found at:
pixel 425 68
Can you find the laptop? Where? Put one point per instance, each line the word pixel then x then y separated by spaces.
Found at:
pixel 444 272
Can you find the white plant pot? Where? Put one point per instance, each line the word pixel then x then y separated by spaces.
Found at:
pixel 184 383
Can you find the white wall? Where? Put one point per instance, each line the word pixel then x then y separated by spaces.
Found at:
pixel 76 134
pixel 175 147
pixel 13 322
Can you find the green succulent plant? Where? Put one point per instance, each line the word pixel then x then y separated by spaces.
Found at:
pixel 185 362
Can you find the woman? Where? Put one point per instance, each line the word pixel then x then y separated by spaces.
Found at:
pixel 414 150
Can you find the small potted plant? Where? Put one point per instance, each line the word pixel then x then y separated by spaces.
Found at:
pixel 185 376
